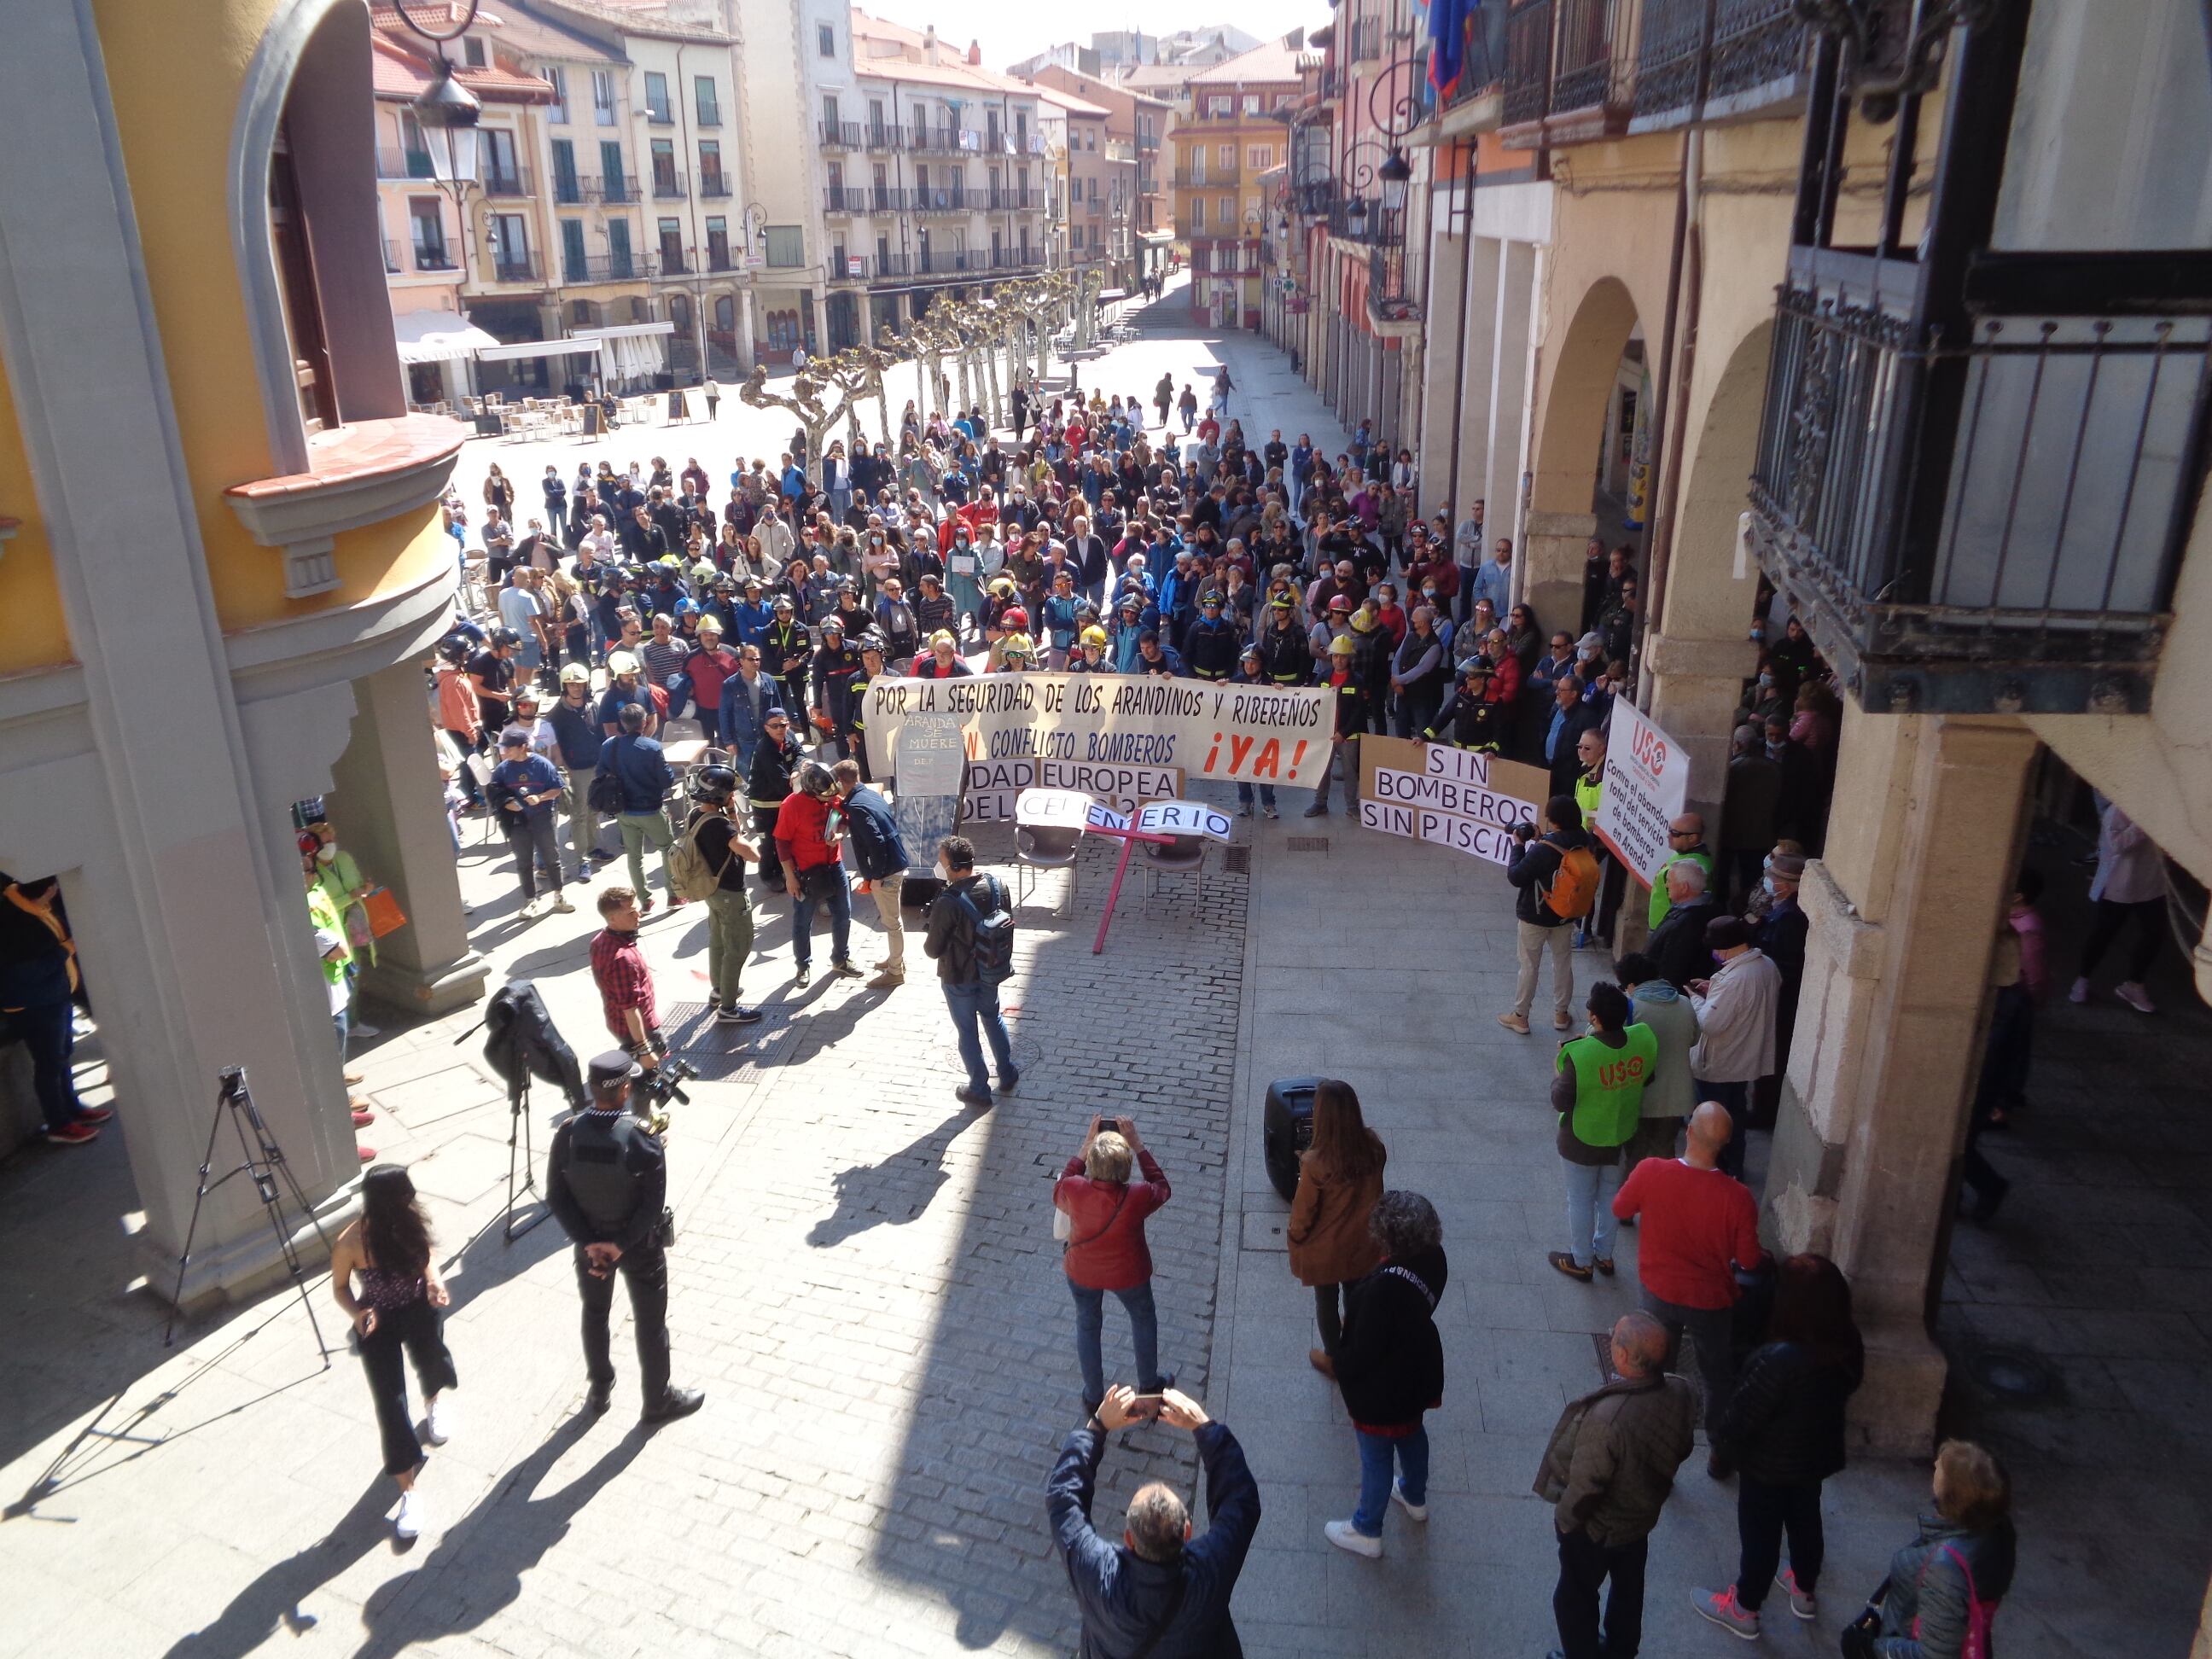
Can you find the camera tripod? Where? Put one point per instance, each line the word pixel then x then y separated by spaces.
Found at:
pixel 262 1160
pixel 518 1125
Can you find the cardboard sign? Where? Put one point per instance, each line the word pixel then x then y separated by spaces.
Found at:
pixel 1246 733
pixel 1647 779
pixel 994 788
pixel 933 759
pixel 1491 843
pixel 1455 798
pixel 1055 809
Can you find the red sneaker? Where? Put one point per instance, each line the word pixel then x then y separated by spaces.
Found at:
pixel 72 1134
pixel 94 1114
pixel 367 1153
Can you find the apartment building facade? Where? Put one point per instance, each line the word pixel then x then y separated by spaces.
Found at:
pixel 606 197
pixel 1136 129
pixel 1236 134
pixel 1093 188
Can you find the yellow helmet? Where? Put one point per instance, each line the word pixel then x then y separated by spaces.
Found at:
pixel 1016 646
pixel 622 662
pixel 1094 636
pixel 1003 585
pixel 943 636
pixel 1341 645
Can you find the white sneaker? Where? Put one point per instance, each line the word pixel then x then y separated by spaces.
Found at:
pixel 438 1421
pixel 1418 1511
pixel 561 907
pixel 1345 1536
pixel 2080 991
pixel 411 1516
pixel 2134 996
pixel 361 1027
pixel 530 911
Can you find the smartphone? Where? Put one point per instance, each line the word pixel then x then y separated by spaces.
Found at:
pixel 1149 1404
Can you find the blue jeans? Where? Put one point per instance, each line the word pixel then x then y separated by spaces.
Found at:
pixel 1591 1222
pixel 839 902
pixel 1144 1334
pixel 1266 795
pixel 48 1029
pixel 1378 1456
pixel 1736 1097
pixel 975 1008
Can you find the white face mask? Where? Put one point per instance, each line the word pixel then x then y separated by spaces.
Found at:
pixel 327 853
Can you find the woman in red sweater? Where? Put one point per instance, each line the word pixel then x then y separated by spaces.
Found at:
pixel 1105 1249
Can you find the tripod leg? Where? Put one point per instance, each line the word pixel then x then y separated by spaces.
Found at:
pixel 518 1125
pixel 264 1168
pixel 200 1197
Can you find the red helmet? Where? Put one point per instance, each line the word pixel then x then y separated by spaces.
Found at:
pixel 1013 617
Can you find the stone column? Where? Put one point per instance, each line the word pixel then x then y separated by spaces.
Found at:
pixel 1696 685
pixel 387 801
pixel 1509 392
pixel 1905 909
pixel 1477 323
pixel 1553 546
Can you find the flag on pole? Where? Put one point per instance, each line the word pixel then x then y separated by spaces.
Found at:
pixel 1448 25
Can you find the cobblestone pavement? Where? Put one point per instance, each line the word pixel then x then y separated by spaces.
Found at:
pixel 867 1288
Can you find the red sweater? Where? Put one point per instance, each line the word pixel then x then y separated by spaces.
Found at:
pixel 1107 1249
pixel 1698 1224
pixel 798 832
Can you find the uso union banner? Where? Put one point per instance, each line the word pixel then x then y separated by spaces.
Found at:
pixel 1267 734
pixel 1455 798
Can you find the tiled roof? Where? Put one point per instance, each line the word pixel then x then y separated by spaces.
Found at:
pixel 1277 60
pixel 398 73
pixel 1067 101
pixel 952 68
pixel 647 18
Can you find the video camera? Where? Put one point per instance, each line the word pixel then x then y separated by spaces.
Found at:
pixel 650 1094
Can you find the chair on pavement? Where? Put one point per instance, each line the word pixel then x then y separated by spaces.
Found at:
pixel 1184 855
pixel 1039 848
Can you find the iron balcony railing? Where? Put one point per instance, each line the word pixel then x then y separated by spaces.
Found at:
pixel 939 262
pixel 884 265
pixel 1357 219
pixel 1989 524
pixel 404 164
pixel 433 256
pixel 660 115
pixel 717 257
pixel 840 135
pixel 1016 259
pixel 1563 56
pixel 601 268
pixel 668 185
pixel 1736 54
pixel 1010 199
pixel 844 198
pixel 885 134
pixel 517 268
pixel 715 185
pixel 568 189
pixel 615 191
pixel 940 140
pixel 673 262
pixel 391 258
pixel 513 181
pixel 939 199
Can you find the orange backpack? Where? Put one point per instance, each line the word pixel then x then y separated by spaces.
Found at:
pixel 1573 891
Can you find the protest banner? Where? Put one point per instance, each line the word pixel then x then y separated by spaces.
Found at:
pixel 995 788
pixel 1234 734
pixel 1457 798
pixel 1647 779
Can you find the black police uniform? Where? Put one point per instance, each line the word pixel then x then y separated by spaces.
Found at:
pixel 607 1184
pixel 767 787
pixel 786 656
pixel 1284 657
pixel 835 667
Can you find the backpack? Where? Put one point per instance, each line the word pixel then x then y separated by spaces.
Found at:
pixel 990 938
pixel 605 794
pixel 688 870
pixel 1573 891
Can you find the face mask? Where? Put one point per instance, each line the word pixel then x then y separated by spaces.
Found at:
pixel 327 853
pixel 1765 682
pixel 1766 885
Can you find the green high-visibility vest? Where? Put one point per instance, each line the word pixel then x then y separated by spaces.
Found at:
pixel 1588 796
pixel 1610 1084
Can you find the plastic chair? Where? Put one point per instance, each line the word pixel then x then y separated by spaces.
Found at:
pixel 1039 848
pixel 1184 855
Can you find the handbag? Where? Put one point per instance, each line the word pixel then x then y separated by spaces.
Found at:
pixel 1855 1640
pixel 664 1232
pixel 383 911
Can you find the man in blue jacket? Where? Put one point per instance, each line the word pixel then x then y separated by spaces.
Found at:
pixel 1161 1592
pixel 575 723
pixel 642 770
pixel 881 856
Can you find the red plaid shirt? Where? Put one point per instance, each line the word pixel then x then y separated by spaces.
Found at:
pixel 618 968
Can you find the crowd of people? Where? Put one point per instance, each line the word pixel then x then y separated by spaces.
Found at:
pixel 630 615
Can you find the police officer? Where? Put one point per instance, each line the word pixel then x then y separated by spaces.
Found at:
pixel 1284 656
pixel 870 647
pixel 775 757
pixel 836 664
pixel 787 654
pixel 1210 647
pixel 606 1185
pixel 1469 719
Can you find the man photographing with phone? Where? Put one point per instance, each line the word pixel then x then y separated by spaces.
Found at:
pixel 1161 1593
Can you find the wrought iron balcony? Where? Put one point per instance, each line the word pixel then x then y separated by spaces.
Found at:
pixel 1982 525
pixel 942 262
pixel 1483 69
pixel 939 199
pixel 713 184
pixel 1568 67
pixel 844 198
pixel 433 256
pixel 613 190
pixel 602 268
pixel 840 135
pixel 673 262
pixel 392 264
pixel 517 268
pixel 567 189
pixel 1008 199
pixel 668 185
pixel 885 134
pixel 1357 219
pixel 884 266
pixel 1703 59
pixel 512 181
pixel 404 164
pixel 938 140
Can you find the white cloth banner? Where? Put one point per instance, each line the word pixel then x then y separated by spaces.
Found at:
pixel 1069 809
pixel 995 788
pixel 1489 842
pixel 1647 779
pixel 1245 733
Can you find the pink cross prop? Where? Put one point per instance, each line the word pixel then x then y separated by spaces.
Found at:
pixel 1129 839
